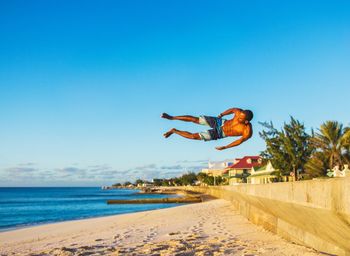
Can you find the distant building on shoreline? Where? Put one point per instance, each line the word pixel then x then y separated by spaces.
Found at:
pixel 234 170
pixel 242 168
pixel 216 169
pixel 262 175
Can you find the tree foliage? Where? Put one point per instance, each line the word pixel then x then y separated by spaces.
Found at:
pixel 332 144
pixel 288 149
pixel 139 181
pixel 205 178
pixel 210 180
pixel 188 178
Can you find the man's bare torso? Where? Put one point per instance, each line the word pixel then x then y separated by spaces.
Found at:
pixel 233 127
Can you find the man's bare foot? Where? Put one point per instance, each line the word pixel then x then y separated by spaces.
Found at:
pixel 166 116
pixel 167 134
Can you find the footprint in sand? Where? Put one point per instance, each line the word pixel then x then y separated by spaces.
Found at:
pixel 174 233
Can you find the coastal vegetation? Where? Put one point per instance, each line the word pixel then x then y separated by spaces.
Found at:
pixel 331 147
pixel 293 151
pixel 288 149
pixel 186 179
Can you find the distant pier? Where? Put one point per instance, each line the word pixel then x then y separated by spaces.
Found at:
pixel 186 197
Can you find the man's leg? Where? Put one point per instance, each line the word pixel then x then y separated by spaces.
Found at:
pixel 188 135
pixel 186 118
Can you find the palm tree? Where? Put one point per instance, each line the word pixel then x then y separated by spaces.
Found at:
pixel 332 144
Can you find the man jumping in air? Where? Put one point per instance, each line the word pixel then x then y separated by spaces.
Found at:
pixel 239 125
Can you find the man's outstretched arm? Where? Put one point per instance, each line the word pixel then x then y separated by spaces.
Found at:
pixel 230 111
pixel 233 144
pixel 246 135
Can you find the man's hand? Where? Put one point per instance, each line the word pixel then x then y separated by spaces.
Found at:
pixel 220 148
pixel 219 116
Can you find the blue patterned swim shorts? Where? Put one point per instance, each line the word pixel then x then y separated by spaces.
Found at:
pixel 216 124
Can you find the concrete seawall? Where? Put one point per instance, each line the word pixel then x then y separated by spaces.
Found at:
pixel 314 213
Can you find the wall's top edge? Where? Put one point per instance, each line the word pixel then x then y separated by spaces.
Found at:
pixel 331 194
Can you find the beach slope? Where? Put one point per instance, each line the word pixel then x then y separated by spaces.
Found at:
pixel 209 228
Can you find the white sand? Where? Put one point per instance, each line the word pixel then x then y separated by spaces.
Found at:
pixel 209 228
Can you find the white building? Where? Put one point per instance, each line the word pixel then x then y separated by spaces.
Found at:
pixel 218 168
pixel 262 175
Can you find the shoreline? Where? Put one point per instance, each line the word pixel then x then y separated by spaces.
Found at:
pixel 83 218
pixel 158 191
pixel 211 228
pixel 135 192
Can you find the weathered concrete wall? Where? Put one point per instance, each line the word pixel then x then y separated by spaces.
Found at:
pixel 314 213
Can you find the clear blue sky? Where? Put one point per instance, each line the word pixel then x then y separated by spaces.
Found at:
pixel 83 83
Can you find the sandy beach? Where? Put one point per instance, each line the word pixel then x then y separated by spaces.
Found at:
pixel 209 228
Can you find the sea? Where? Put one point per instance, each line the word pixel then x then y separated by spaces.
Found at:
pixel 28 206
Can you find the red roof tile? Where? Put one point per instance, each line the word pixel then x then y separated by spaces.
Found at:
pixel 244 164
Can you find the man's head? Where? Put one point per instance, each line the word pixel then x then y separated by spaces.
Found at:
pixel 245 116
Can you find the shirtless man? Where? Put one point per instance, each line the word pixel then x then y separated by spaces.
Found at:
pixel 239 125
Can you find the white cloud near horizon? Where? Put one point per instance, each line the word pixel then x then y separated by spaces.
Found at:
pixel 93 175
